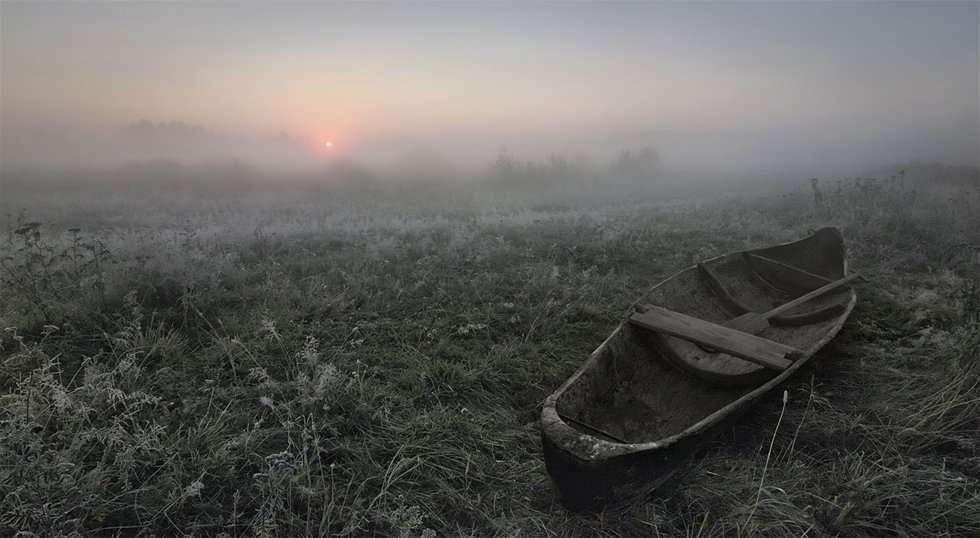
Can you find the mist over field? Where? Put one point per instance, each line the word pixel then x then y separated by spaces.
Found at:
pixel 312 268
pixel 421 90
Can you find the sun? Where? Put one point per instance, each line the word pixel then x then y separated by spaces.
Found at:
pixel 329 144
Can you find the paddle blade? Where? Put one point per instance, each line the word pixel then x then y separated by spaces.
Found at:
pixel 751 322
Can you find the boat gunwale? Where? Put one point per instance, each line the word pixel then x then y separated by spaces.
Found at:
pixel 600 449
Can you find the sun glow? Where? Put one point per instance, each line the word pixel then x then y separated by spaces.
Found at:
pixel 329 144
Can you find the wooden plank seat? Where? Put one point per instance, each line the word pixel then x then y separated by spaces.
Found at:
pixel 740 344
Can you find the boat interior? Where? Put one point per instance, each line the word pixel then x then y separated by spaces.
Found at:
pixel 642 385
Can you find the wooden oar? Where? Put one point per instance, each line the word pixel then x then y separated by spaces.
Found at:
pixel 754 323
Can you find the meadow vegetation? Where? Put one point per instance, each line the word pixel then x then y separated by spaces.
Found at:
pixel 306 359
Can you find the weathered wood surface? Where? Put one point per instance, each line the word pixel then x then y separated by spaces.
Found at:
pixel 734 342
pixel 785 272
pixel 644 401
pixel 755 323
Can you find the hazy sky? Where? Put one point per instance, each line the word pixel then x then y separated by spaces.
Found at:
pixel 850 81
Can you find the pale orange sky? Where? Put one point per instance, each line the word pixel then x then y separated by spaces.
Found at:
pixel 902 78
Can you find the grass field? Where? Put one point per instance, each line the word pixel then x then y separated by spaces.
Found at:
pixel 304 360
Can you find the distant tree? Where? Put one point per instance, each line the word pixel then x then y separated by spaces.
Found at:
pixel 507 168
pixel 639 165
pixel 140 128
pixel 175 130
pixel 560 167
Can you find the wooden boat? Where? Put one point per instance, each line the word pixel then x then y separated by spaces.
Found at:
pixel 686 362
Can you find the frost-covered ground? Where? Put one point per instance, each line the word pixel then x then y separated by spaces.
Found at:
pixel 309 360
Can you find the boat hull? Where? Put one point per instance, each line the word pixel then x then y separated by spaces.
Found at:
pixel 643 403
pixel 589 485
